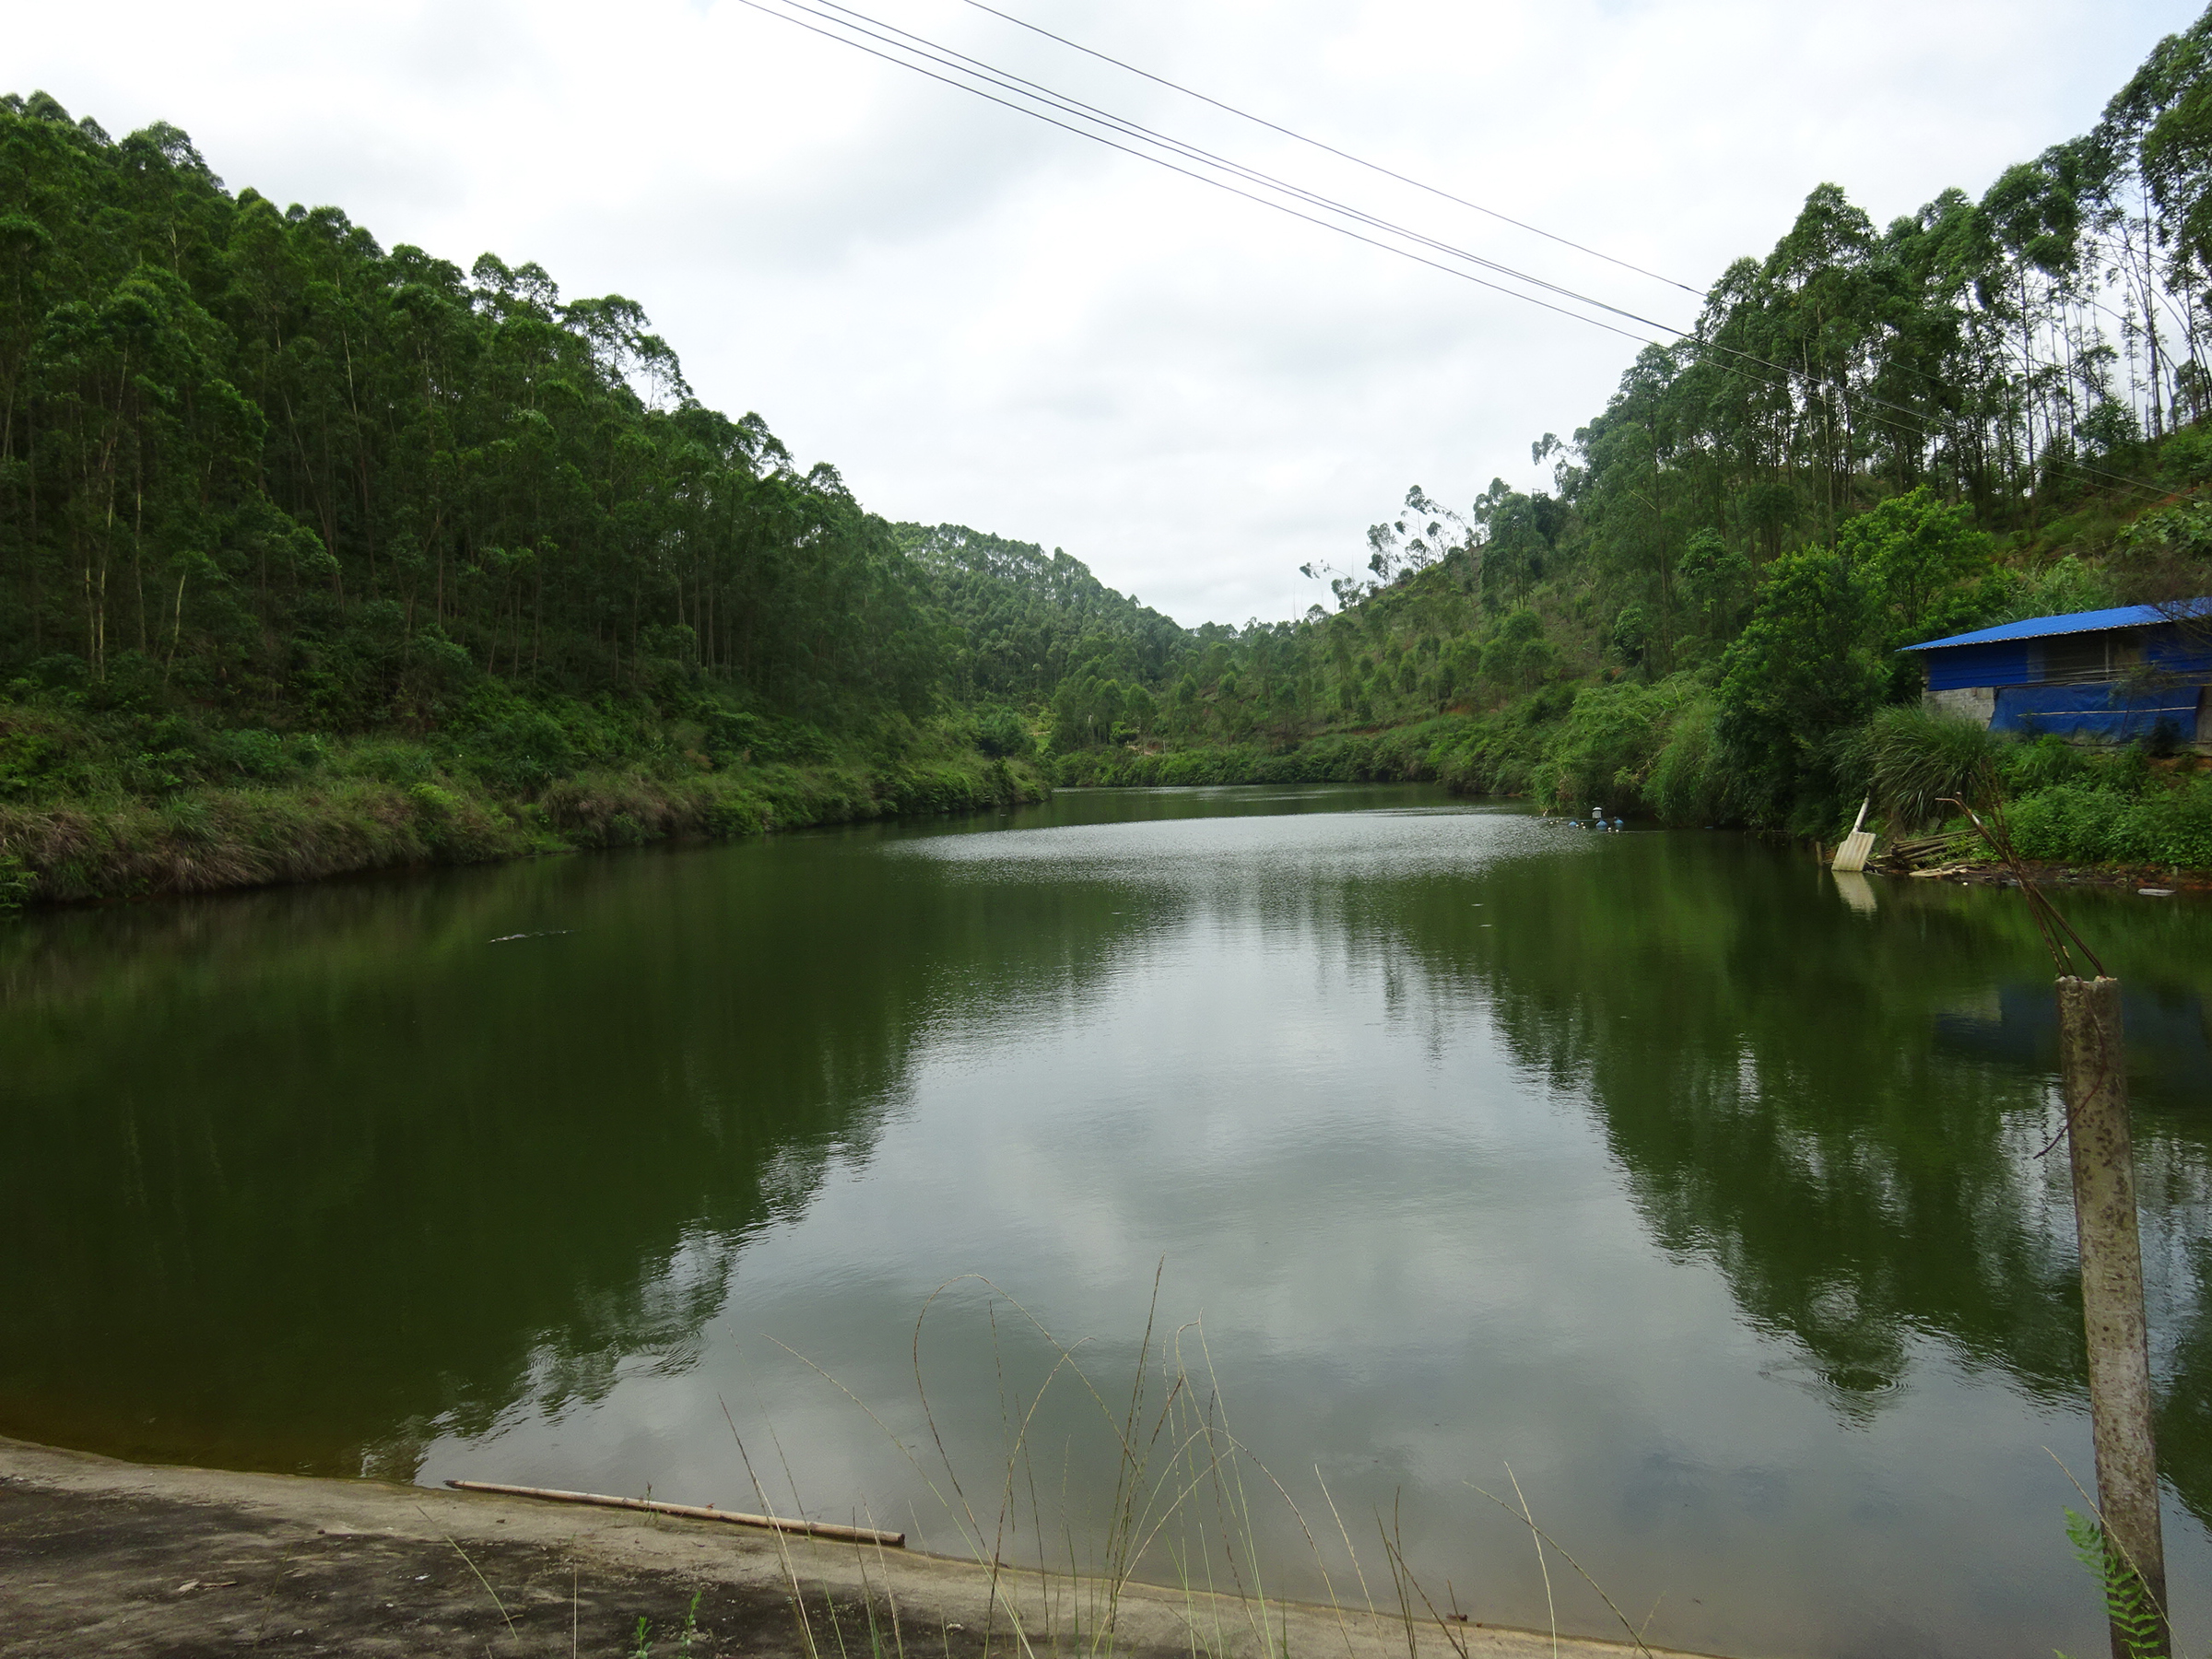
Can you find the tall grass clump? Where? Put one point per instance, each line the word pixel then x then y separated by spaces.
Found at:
pixel 1174 1563
pixel 1916 761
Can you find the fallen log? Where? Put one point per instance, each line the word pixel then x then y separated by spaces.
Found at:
pixel 693 1512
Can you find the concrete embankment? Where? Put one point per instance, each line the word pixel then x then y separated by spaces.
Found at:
pixel 133 1561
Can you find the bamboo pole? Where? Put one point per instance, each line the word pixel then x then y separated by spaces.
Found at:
pixel 2093 1072
pixel 692 1512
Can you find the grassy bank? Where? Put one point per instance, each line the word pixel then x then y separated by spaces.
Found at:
pixel 103 795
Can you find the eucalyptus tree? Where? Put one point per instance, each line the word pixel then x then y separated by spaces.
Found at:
pixel 248 441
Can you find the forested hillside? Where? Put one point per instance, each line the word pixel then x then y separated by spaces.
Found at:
pixel 1993 407
pixel 315 555
pixel 318 556
pixel 245 445
pixel 1023 622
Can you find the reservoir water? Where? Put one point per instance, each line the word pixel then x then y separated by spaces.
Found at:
pixel 1696 1193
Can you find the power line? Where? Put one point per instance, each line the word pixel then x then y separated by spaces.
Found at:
pixel 1332 149
pixel 1478 208
pixel 759 5
pixel 1372 166
pixel 1021 87
pixel 947 58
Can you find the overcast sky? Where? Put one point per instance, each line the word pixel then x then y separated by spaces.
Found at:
pixel 982 319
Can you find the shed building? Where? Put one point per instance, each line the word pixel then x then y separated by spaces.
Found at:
pixel 2095 676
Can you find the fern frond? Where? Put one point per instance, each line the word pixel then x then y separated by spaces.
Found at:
pixel 2126 1603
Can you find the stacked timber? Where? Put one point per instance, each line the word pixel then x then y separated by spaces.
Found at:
pixel 1943 854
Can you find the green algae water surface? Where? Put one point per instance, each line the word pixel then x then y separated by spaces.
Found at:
pixel 1704 1190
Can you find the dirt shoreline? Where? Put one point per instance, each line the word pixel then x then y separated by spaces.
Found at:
pixel 1983 873
pixel 138 1561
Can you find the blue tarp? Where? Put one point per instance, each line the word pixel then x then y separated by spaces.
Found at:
pixel 2040 627
pixel 2169 651
pixel 1998 663
pixel 2095 712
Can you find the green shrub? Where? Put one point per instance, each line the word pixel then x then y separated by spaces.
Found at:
pixel 2078 823
pixel 438 806
pixel 1687 783
pixel 2167 827
pixel 2039 762
pixel 2186 458
pixel 523 750
pixel 1000 734
pixel 735 812
pixel 252 753
pixel 1608 743
pixel 159 772
pixel 734 737
pixel 387 760
pixel 436 666
pixel 927 788
pixel 60 672
pixel 16 882
pixel 2065 584
pixel 30 762
pixel 132 801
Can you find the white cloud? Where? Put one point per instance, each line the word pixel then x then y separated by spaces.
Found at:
pixel 981 319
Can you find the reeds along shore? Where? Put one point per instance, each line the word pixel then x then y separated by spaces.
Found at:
pixel 1186 1555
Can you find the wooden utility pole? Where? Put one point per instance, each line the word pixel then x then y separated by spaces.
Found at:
pixel 2093 1072
pixel 2092 1064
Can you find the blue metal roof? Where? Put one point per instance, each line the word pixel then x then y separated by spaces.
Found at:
pixel 2037 627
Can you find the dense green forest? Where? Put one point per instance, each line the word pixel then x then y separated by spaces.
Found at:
pixel 318 556
pixel 1991 409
